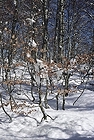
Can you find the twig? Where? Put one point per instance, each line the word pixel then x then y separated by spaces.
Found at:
pixel 80 94
pixel 27 96
pixel 78 97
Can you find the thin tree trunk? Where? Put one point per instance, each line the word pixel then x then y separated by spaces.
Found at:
pixel 4 108
pixel 63 105
pixel 40 103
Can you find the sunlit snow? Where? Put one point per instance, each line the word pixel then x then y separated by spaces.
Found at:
pixel 74 123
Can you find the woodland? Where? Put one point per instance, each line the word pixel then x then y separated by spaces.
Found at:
pixel 44 46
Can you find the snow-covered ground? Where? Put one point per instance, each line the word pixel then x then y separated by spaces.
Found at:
pixel 76 122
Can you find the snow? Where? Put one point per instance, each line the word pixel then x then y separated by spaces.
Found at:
pixel 32 42
pixel 76 122
pixel 31 21
pixel 28 55
pixel 15 2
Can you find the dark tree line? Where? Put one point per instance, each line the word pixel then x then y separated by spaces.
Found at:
pixel 61 26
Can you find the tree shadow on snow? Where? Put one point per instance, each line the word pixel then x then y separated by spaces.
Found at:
pixel 45 137
pixel 78 137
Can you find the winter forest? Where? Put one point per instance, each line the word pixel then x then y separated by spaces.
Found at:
pixel 46 69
